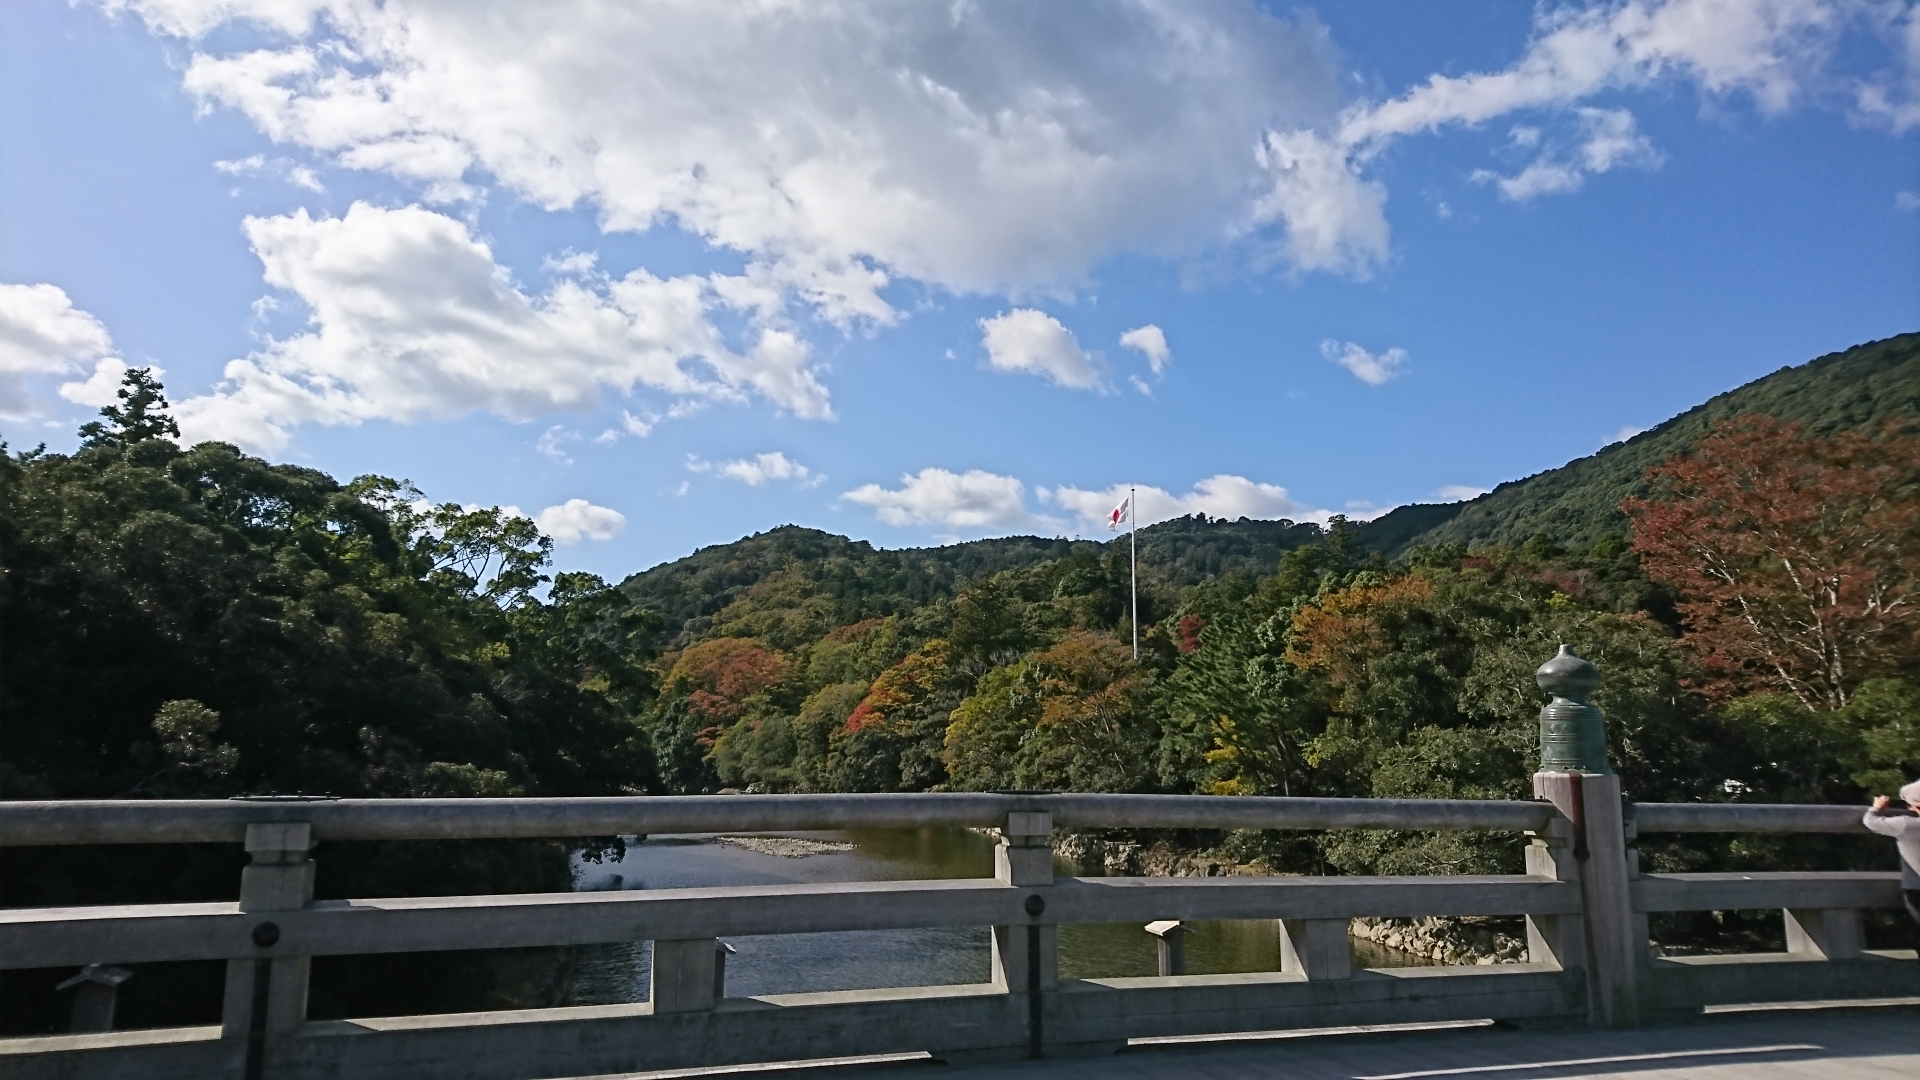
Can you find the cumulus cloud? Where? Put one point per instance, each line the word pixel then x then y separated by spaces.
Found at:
pixel 761 469
pixel 1335 221
pixel 971 501
pixel 1370 368
pixel 1459 492
pixel 577 519
pixel 978 146
pixel 101 388
pixel 42 333
pixel 1151 343
pixel 1221 496
pixel 411 318
pixel 1622 435
pixel 1035 342
pixel 1609 137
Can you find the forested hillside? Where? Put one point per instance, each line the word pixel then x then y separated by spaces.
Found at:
pixel 199 623
pixel 1857 390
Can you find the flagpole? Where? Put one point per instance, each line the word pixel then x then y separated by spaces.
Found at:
pixel 1133 564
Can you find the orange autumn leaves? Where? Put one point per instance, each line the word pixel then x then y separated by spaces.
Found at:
pixel 1342 631
pixel 1796 556
pixel 718 678
pixel 1073 715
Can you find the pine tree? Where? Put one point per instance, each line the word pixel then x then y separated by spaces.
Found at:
pixel 141 415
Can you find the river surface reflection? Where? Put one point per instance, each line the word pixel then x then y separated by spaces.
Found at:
pixel 861 960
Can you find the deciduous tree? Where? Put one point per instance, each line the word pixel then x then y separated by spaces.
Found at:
pixel 1796 555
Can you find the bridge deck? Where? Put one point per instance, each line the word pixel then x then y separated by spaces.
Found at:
pixel 1872 1043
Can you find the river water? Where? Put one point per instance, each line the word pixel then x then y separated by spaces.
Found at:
pixel 862 960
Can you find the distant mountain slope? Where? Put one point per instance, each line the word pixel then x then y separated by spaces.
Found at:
pixel 854 580
pixel 1578 503
pixel 835 581
pixel 861 581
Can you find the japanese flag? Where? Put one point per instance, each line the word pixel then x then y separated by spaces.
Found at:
pixel 1123 512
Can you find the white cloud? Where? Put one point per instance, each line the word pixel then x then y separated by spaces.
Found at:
pixel 1369 368
pixel 638 427
pixel 1151 343
pixel 258 165
pixel 970 501
pixel 1609 137
pixel 571 263
pixel 976 146
pixel 1906 200
pixel 1334 220
pixel 1221 496
pixel 42 333
pixel 411 319
pixel 101 388
pixel 1459 492
pixel 1622 435
pixel 762 468
pixel 553 443
pixel 1893 98
pixel 1035 342
pixel 577 519
pixel 1768 50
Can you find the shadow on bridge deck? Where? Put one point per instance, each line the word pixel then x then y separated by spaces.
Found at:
pixel 1857 1041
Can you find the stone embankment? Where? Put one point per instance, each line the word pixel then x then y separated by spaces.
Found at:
pixel 1443 940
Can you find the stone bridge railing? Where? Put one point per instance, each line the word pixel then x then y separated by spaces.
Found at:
pixel 1588 963
pixel 1584 900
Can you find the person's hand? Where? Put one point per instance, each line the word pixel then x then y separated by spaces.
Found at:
pixel 1880 801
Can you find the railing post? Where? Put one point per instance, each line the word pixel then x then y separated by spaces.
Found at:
pixel 1824 933
pixel 1555 939
pixel 1170 946
pixel 688 975
pixel 1026 957
pixel 267 998
pixel 1575 777
pixel 1319 949
pixel 95 993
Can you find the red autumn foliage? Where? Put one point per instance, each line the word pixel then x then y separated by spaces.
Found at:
pixel 1189 628
pixel 718 676
pixel 902 688
pixel 1796 556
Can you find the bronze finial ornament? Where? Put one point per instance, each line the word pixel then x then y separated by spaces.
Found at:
pixel 1573 732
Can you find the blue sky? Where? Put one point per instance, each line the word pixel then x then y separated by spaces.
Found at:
pixel 664 274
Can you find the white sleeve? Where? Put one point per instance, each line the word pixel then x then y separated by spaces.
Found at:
pixel 1895 825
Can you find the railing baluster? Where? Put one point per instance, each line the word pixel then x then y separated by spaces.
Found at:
pixel 1824 933
pixel 1555 939
pixel 279 877
pixel 686 975
pixel 1319 949
pixel 1026 957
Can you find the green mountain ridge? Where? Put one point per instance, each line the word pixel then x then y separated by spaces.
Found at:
pixel 1576 504
pixel 1858 389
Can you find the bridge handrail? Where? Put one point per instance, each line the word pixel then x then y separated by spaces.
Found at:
pixel 66 822
pixel 123 821
pixel 1747 818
